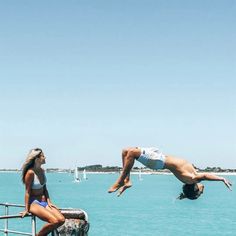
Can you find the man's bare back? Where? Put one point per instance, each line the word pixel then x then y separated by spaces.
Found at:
pixel 182 169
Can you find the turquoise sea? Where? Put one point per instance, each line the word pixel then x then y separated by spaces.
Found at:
pixel 148 208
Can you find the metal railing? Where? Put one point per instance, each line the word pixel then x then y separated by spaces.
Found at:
pixel 6 217
pixel 65 211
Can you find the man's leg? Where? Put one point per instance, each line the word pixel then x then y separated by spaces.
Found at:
pixel 124 154
pixel 127 181
pixel 128 158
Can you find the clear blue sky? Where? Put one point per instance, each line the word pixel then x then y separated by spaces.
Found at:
pixel 83 79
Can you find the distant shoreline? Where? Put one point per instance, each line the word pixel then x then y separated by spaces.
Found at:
pixel 115 169
pixel 135 171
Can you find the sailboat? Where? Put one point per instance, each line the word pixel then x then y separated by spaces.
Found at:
pixel 140 175
pixel 76 175
pixel 84 175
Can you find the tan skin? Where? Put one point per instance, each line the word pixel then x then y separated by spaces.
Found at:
pixel 49 214
pixel 182 169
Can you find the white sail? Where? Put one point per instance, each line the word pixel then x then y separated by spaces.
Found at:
pixel 140 175
pixel 76 175
pixel 84 174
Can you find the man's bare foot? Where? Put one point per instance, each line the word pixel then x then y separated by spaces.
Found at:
pixel 115 187
pixel 124 187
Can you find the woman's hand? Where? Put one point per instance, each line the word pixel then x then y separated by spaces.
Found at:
pixel 227 183
pixel 24 213
pixel 50 204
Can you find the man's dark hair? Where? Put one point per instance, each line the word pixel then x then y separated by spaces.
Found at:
pixel 190 191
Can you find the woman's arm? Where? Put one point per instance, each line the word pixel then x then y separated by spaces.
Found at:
pixel 211 177
pixel 45 190
pixel 46 194
pixel 29 177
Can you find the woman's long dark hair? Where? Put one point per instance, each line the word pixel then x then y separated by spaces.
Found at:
pixel 30 160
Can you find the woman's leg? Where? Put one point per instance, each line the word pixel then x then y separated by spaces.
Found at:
pixel 54 210
pixel 128 158
pixel 45 215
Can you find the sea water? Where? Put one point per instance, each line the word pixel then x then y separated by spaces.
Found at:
pixel 148 208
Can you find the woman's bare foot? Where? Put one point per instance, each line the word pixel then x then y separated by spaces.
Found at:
pixel 124 187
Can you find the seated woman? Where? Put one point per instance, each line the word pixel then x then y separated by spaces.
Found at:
pixel 154 159
pixel 37 199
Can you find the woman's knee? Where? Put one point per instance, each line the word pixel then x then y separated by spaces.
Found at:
pixel 61 220
pixel 57 221
pixel 53 220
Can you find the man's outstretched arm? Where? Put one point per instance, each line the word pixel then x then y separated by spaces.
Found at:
pixel 211 177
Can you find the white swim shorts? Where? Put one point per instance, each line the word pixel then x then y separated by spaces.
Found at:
pixel 152 158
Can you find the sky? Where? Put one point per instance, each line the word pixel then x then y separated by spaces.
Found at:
pixel 84 79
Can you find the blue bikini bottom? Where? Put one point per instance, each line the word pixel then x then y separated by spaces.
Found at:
pixel 41 203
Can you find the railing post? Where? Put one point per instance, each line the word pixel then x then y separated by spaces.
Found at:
pixel 6 220
pixel 33 225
